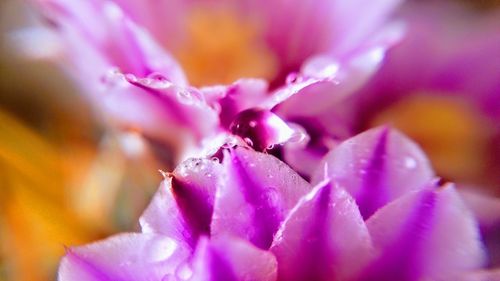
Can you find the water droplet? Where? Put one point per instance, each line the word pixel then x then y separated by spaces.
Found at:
pixel 230 142
pixel 271 146
pixel 299 135
pixel 215 159
pixel 248 141
pixel 293 77
pixel 131 78
pixel 145 81
pixel 410 163
pixel 162 249
pixel 272 196
pixel 184 272
pixel 158 81
pixel 184 96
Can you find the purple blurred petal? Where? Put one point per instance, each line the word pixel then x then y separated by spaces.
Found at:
pixel 376 167
pixel 258 193
pixel 448 50
pixel 339 27
pixel 424 235
pixel 486 209
pixel 123 257
pixel 228 258
pixel 183 206
pixel 112 35
pixel 479 275
pixel 323 238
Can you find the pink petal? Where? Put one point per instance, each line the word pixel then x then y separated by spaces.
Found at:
pixel 258 193
pixel 479 275
pixel 123 257
pixel 424 235
pixel 183 206
pixel 183 108
pixel 113 37
pixel 323 238
pixel 486 209
pixel 228 258
pixel 376 167
pixel 231 100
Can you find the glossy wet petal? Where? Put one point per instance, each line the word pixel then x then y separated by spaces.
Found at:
pixel 183 108
pixel 376 167
pixel 323 238
pixel 183 205
pixel 258 193
pixel 123 257
pixel 228 258
pixel 425 234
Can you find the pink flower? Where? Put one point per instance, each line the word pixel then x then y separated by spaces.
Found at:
pixel 122 60
pixel 249 216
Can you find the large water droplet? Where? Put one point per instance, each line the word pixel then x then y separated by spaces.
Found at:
pixel 260 128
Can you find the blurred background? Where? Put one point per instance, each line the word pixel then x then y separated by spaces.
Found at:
pixel 66 180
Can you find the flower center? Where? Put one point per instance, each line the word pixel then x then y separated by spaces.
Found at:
pixel 221 46
pixel 451 132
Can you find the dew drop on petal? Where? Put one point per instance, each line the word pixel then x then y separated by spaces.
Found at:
pixel 410 163
pixel 185 97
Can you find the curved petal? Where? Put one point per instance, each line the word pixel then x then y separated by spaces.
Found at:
pixel 424 235
pixel 231 100
pixel 185 107
pixel 114 38
pixel 232 259
pixel 337 28
pixel 258 193
pixel 376 167
pixel 323 238
pixel 486 209
pixel 462 63
pixel 123 257
pixel 183 206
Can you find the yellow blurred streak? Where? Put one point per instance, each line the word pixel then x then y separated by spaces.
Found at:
pixel 451 132
pixel 35 221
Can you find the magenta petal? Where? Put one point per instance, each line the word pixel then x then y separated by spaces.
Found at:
pixel 479 275
pixel 123 257
pixel 258 193
pixel 181 108
pixel 112 36
pixel 183 206
pixel 426 235
pixel 376 167
pixel 486 209
pixel 232 259
pixel 231 100
pixel 323 238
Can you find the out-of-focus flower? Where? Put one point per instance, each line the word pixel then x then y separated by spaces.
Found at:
pixel 131 78
pixel 375 212
pixel 218 42
pixel 441 87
